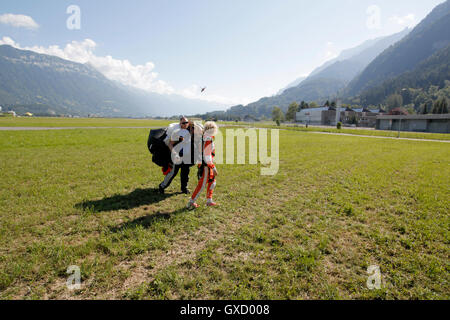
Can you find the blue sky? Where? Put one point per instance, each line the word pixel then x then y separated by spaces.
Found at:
pixel 241 50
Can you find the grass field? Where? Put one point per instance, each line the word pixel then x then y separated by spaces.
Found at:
pixel 111 122
pixel 355 131
pixel 337 205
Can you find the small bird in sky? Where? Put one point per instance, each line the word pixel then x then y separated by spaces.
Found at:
pixel 203 89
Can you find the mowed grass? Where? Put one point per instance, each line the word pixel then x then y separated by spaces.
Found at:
pixel 121 122
pixel 358 131
pixel 337 205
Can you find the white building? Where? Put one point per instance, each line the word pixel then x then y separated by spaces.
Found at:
pixel 311 115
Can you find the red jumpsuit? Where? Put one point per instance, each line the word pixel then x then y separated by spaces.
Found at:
pixel 207 176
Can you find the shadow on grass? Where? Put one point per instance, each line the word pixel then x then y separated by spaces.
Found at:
pixel 148 220
pixel 137 198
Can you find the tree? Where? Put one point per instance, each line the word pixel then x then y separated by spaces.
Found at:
pixel 277 114
pixel 425 109
pixel 292 110
pixel 327 104
pixel 436 107
pixel 394 101
pixel 440 106
pixel 333 104
pixel 313 105
pixel 444 105
pixel 410 109
pixel 303 105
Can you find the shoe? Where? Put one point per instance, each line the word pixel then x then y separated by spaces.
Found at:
pixel 192 205
pixel 185 191
pixel 161 189
pixel 211 204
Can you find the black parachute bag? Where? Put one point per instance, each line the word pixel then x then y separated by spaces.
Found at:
pixel 160 151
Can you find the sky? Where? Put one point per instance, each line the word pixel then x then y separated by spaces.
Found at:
pixel 241 50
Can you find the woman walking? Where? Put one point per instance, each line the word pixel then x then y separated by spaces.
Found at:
pixel 207 171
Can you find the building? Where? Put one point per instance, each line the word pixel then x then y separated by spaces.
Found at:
pixel 327 116
pixel 437 123
pixel 310 116
pixel 367 117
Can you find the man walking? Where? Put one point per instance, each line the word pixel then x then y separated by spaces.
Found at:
pixel 179 139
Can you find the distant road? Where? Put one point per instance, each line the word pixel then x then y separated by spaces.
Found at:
pixel 72 128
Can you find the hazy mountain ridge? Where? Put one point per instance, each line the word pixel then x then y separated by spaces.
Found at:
pixel 29 78
pixel 324 82
pixel 48 85
pixel 429 36
pixel 294 83
pixel 359 54
pixel 434 71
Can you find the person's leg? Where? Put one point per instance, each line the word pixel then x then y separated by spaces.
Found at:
pixel 184 176
pixel 209 193
pixel 200 186
pixel 168 179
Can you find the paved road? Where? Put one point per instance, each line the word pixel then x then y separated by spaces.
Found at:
pixel 66 128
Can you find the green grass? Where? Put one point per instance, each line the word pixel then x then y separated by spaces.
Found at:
pixel 359 131
pixel 337 205
pixel 111 122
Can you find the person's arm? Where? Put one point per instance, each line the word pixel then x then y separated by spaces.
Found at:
pixel 208 156
pixel 172 142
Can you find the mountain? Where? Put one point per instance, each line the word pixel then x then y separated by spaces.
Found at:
pixel 342 70
pixel 29 78
pixel 294 83
pixel 48 85
pixel 167 105
pixel 434 71
pixel 324 82
pixel 428 37
pixel 347 54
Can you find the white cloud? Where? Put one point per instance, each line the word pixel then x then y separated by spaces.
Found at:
pixel 18 20
pixel 407 20
pixel 139 76
pixel 8 41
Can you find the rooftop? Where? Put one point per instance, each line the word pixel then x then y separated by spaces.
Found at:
pixel 415 117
